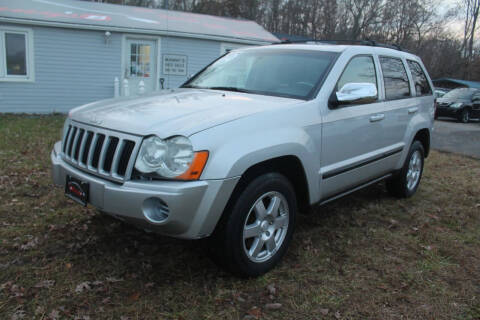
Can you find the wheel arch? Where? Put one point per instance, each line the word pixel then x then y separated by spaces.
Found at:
pixel 290 166
pixel 423 135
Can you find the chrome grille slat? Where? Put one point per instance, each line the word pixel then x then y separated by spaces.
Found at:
pixel 71 149
pixel 80 143
pixel 101 159
pixel 90 152
pixel 70 140
pixel 82 146
pixel 65 138
pixel 116 158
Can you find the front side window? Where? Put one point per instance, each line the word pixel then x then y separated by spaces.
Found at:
pixel 395 78
pixel 286 73
pixel 15 61
pixel 422 87
pixel 359 70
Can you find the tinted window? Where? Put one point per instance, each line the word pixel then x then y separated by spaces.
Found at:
pixel 359 69
pixel 461 93
pixel 395 78
pixel 16 54
pixel 289 73
pixel 422 87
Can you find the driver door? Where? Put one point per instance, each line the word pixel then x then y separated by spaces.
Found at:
pixel 352 134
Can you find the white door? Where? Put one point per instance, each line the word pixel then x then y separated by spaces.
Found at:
pixel 140 64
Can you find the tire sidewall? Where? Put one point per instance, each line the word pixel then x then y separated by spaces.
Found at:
pixel 463 114
pixel 234 228
pixel 416 146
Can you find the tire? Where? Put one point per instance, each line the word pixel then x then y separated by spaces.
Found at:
pixel 464 116
pixel 403 185
pixel 245 216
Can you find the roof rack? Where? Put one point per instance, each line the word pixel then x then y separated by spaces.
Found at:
pixel 371 43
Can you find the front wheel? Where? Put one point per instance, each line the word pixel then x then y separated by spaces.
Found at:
pixel 464 116
pixel 405 183
pixel 257 227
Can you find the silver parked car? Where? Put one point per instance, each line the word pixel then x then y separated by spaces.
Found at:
pixel 248 142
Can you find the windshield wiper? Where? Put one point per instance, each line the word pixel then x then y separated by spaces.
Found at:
pixel 192 86
pixel 235 89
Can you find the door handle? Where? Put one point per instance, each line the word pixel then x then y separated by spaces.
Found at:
pixel 412 110
pixel 377 117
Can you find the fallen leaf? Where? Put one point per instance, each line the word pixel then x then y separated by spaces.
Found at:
pixel 271 289
pixel 17 315
pixel 45 284
pixel 134 296
pixel 324 311
pixel 54 315
pixel 273 306
pixel 82 287
pixel 255 312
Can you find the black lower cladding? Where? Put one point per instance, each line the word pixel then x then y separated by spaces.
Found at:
pixel 77 190
pixel 336 172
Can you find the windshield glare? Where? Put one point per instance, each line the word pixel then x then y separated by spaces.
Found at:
pixel 462 93
pixel 288 73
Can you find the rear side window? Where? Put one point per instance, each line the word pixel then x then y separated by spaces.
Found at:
pixel 395 78
pixel 422 87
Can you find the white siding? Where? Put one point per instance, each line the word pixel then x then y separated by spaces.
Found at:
pixel 72 67
pixel 199 52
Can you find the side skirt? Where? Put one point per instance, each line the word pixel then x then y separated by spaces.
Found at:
pixel 322 202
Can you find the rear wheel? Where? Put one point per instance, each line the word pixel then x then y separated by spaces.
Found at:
pixel 464 116
pixel 406 182
pixel 257 227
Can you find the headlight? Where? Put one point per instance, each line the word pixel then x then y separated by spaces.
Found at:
pixel 170 158
pixel 456 105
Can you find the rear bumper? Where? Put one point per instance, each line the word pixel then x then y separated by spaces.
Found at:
pixel 194 207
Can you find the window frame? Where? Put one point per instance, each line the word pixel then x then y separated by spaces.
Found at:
pixel 377 74
pixel 432 91
pixel 29 56
pixel 411 85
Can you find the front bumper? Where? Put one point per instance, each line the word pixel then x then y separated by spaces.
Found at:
pixel 194 206
pixel 447 112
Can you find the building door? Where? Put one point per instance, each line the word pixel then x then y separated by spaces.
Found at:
pixel 140 65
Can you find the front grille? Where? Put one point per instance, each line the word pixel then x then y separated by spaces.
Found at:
pixel 102 152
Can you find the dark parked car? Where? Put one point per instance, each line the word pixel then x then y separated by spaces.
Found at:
pixel 462 104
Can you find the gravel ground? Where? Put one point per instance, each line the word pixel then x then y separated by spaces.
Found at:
pixel 452 136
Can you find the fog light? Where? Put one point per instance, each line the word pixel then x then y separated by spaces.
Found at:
pixel 155 210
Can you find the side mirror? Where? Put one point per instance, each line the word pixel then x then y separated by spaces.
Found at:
pixel 354 92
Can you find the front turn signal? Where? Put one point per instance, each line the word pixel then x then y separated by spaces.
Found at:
pixel 196 168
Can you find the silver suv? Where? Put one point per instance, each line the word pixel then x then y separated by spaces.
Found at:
pixel 252 139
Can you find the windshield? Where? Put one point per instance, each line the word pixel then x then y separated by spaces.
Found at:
pixel 287 73
pixel 462 93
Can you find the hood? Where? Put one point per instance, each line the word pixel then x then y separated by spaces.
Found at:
pixel 176 112
pixel 449 101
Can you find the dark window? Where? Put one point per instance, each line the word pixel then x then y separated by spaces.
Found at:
pixel 460 94
pixel 16 53
pixel 359 69
pixel 395 78
pixel 422 87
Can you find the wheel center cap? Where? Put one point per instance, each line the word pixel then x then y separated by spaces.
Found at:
pixel 264 225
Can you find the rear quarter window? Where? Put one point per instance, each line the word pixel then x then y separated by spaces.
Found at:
pixel 422 87
pixel 395 78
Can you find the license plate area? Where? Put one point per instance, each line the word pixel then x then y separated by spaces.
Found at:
pixel 77 190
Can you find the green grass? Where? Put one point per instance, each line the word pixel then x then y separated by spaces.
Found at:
pixel 367 256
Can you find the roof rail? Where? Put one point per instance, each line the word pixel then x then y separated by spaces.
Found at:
pixel 367 42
